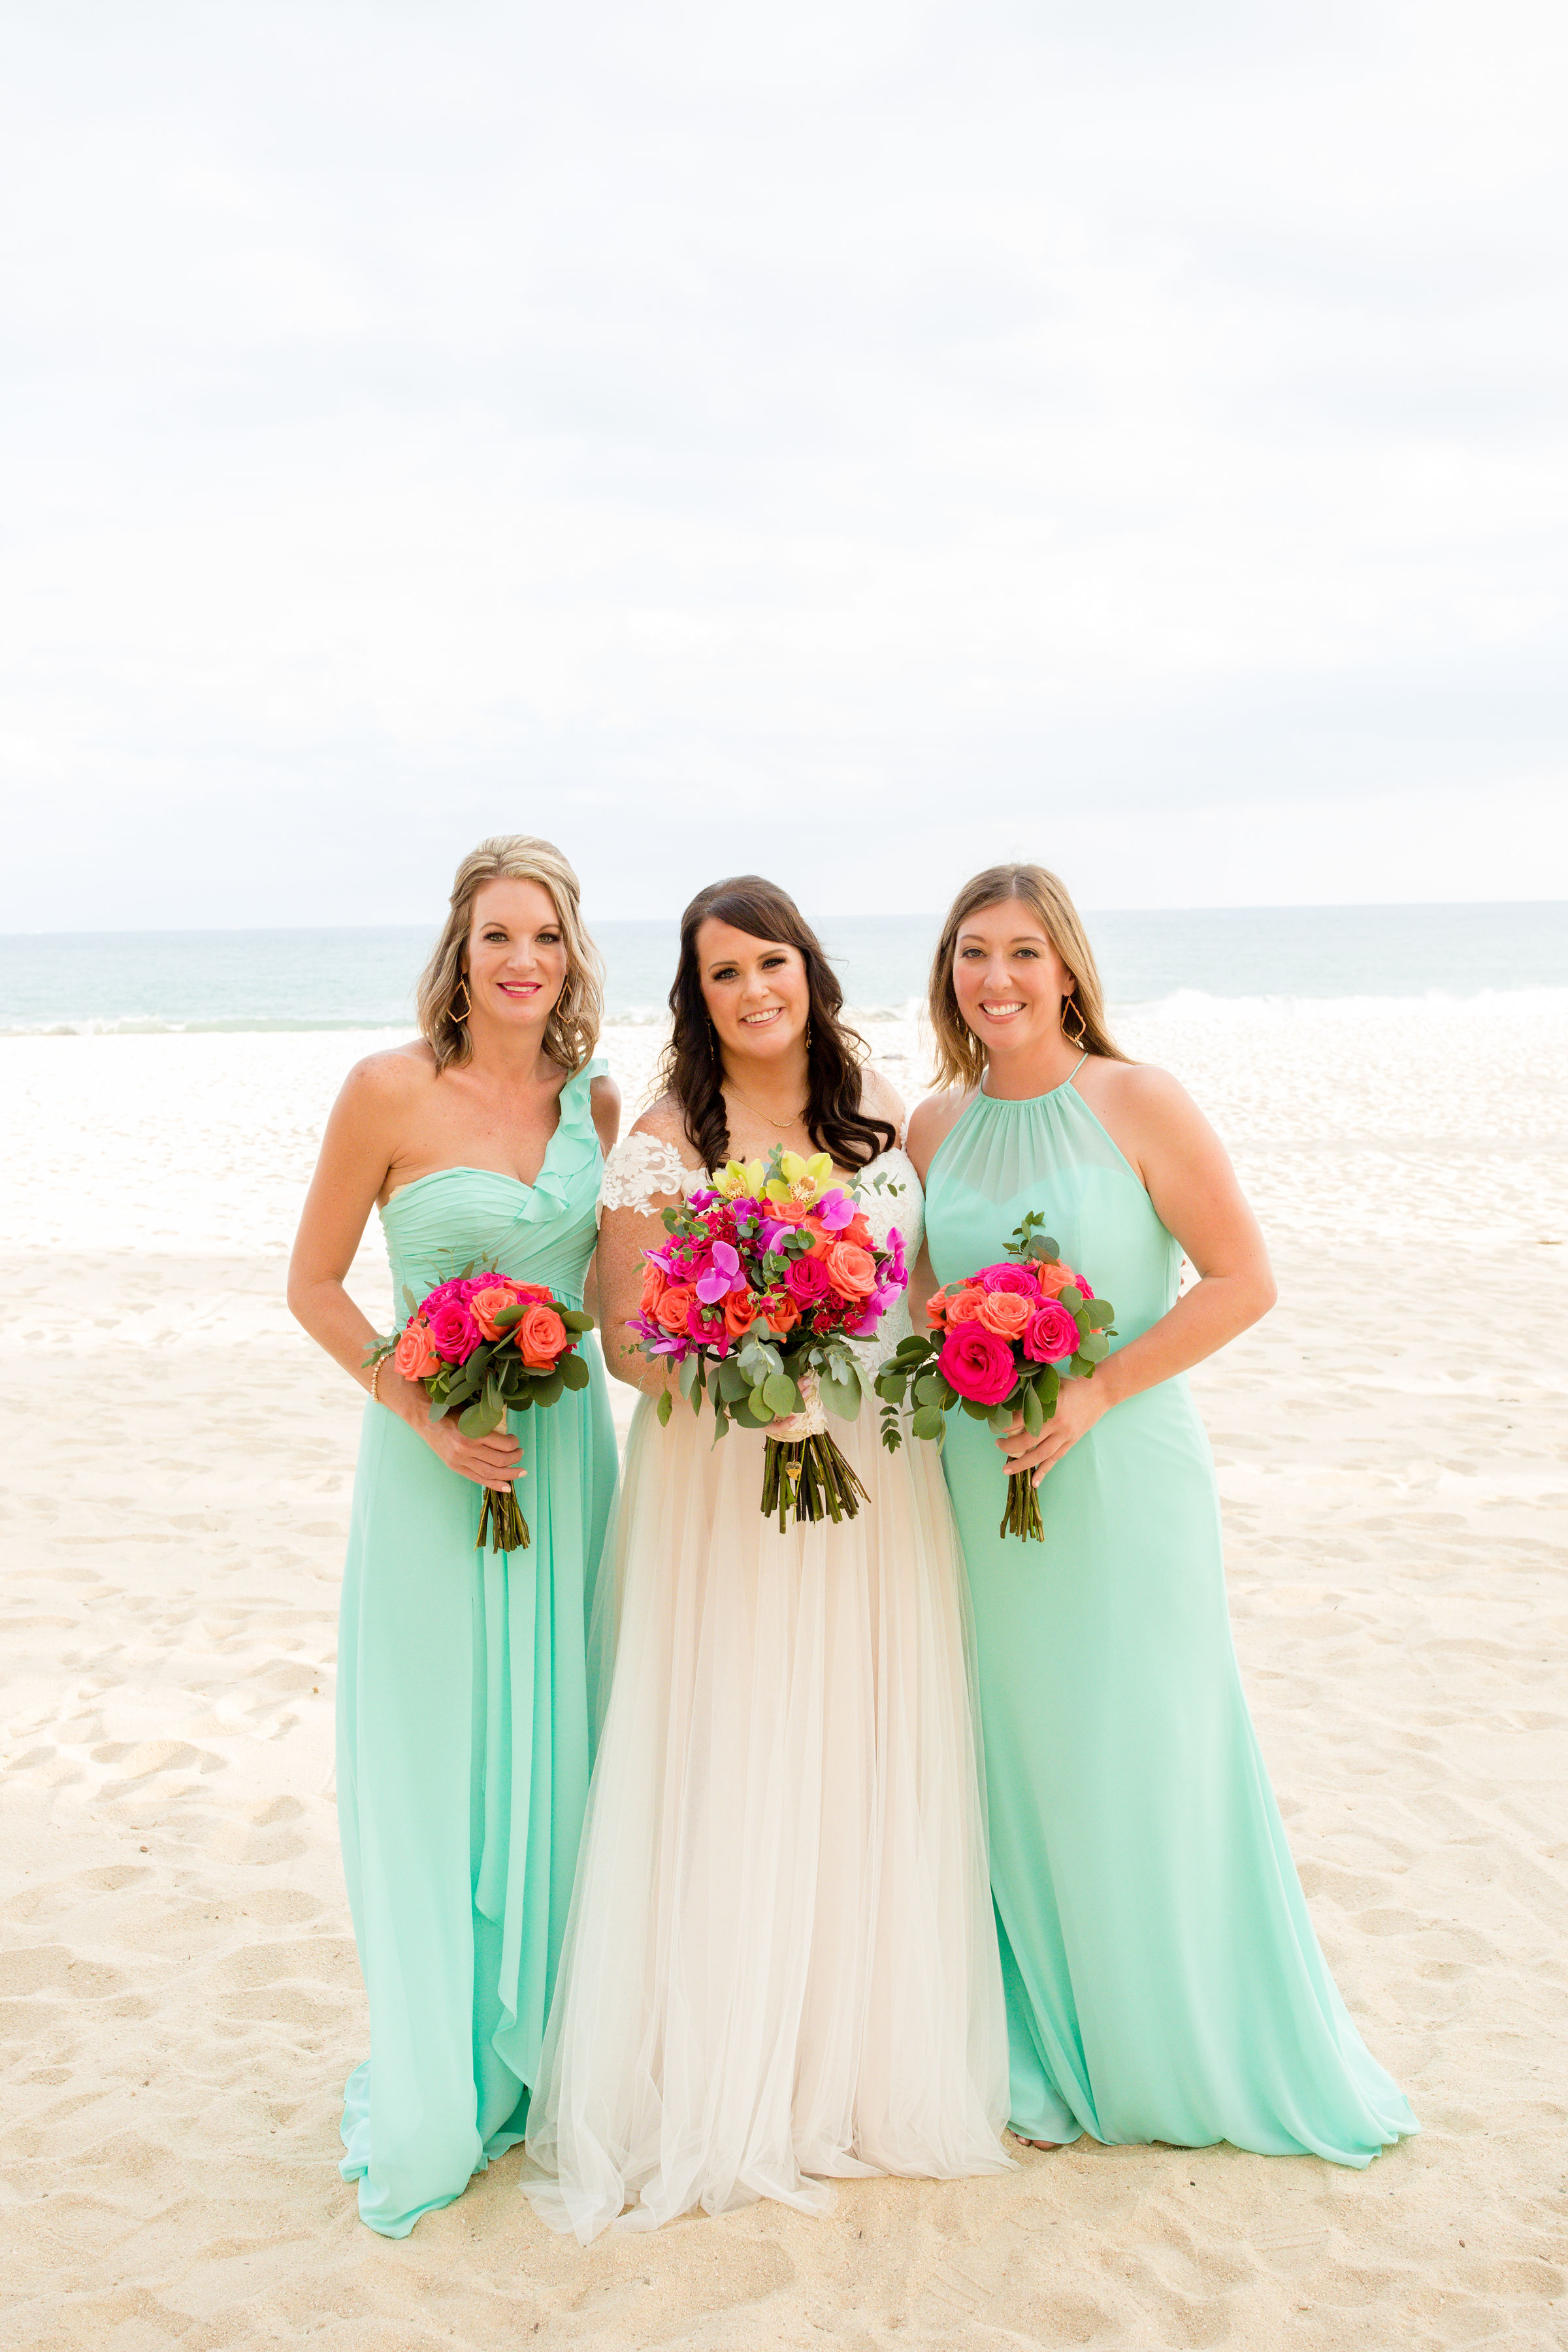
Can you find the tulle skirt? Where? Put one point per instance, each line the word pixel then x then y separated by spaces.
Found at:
pixel 781 1962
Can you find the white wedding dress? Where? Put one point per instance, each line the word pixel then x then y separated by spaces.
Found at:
pixel 780 1963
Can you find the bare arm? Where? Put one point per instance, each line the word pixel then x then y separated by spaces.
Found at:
pixel 356 1155
pixel 1196 1193
pixel 929 1123
pixel 606 1097
pixel 628 1229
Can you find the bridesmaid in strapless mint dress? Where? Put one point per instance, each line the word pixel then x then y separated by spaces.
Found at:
pixel 1163 1980
pixel 464 1711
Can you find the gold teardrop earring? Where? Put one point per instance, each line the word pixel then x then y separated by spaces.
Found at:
pixel 467 1006
pixel 1082 1023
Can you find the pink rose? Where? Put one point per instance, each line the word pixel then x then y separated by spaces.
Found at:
pixel 809 1280
pixel 1006 1314
pixel 977 1363
pixel 1011 1276
pixel 454 1334
pixel 1052 1333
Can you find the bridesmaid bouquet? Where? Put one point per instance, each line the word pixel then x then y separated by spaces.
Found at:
pixel 767 1275
pixel 1002 1341
pixel 481 1345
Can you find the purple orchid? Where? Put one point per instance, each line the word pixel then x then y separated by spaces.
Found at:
pixel 724 1275
pixel 835 1210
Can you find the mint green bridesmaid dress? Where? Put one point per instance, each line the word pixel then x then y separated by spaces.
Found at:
pixel 463 1710
pixel 1163 1980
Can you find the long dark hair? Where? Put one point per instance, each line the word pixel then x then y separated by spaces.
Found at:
pixel 692 1069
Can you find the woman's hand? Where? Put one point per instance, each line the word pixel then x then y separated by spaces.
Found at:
pixel 494 1461
pixel 1078 1407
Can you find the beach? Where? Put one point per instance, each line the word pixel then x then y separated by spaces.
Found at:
pixel 180 1995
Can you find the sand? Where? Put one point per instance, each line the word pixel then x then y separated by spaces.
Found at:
pixel 179 1997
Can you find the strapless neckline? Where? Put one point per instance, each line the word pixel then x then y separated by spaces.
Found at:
pixel 465 1168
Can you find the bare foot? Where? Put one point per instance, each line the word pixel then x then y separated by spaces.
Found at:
pixel 1040 2143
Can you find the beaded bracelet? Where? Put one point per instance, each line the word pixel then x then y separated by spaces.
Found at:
pixel 375 1376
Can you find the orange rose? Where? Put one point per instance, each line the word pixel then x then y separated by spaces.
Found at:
pixel 821 1239
pixel 673 1308
pixel 485 1304
pixel 963 1304
pixel 655 1283
pixel 780 1310
pixel 1054 1279
pixel 414 1356
pixel 857 1231
pixel 540 1335
pixel 936 1309
pixel 1006 1312
pixel 788 1213
pixel 853 1270
pixel 740 1311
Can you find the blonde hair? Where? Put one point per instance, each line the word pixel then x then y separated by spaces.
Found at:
pixel 960 1056
pixel 573 1030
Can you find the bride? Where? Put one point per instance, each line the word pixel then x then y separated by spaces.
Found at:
pixel 781 1962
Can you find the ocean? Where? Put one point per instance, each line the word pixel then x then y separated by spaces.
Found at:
pixel 64 983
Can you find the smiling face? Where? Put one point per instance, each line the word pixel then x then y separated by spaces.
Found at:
pixel 756 991
pixel 516 961
pixel 1008 979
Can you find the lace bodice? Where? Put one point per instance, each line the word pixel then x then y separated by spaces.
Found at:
pixel 645 1168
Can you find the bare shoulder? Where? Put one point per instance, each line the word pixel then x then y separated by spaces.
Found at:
pixel 1138 1092
pixel 932 1121
pixel 605 1096
pixel 879 1098
pixel 386 1083
pixel 665 1122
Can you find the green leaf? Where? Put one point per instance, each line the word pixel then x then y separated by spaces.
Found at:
pixel 1000 1419
pixel 547 1390
pixel 1096 1347
pixel 780 1394
pixel 1081 1367
pixel 1034 1411
pixel 841 1397
pixel 575 1320
pixel 928 1422
pixel 975 1412
pixel 664 1408
pixel 1097 1313
pixel 1042 1246
pixel 733 1385
pixel 758 1408
pixel 574 1373
pixel 687 1376
pixel 931 1389
pixel 1071 1298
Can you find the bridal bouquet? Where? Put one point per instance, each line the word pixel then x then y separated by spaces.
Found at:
pixel 767 1275
pixel 1001 1342
pixel 482 1344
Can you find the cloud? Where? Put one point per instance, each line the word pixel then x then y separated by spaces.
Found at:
pixel 668 428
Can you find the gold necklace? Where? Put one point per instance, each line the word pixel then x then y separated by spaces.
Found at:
pixel 779 1126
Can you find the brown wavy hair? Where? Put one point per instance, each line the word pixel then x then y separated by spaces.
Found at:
pixel 960 1055
pixel 692 1069
pixel 572 1031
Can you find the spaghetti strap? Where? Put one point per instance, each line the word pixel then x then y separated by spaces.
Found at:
pixel 1078 1066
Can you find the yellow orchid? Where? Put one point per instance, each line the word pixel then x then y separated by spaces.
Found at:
pixel 801 1181
pixel 739 1180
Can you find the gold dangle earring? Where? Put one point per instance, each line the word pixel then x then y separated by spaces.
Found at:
pixel 1082 1023
pixel 468 1001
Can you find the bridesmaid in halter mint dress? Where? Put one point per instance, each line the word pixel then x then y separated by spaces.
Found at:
pixel 1163 1980
pixel 463 1700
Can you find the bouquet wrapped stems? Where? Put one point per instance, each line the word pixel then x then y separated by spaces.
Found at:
pixel 1021 1516
pixel 808 1478
pixel 502 1522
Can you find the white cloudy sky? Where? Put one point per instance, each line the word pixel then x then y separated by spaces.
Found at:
pixel 857 440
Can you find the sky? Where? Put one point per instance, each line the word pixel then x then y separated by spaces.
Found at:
pixel 855 442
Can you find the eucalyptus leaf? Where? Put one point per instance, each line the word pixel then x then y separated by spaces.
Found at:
pixel 574 1373
pixel 1045 1249
pixel 927 1421
pixel 975 1412
pixel 1096 1347
pixel 480 1419
pixel 841 1397
pixel 1034 1411
pixel 1071 1298
pixel 1000 1419
pixel 758 1408
pixel 929 1388
pixel 780 1394
pixel 664 1408
pixel 548 1389
pixel 687 1376
pixel 1097 1313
